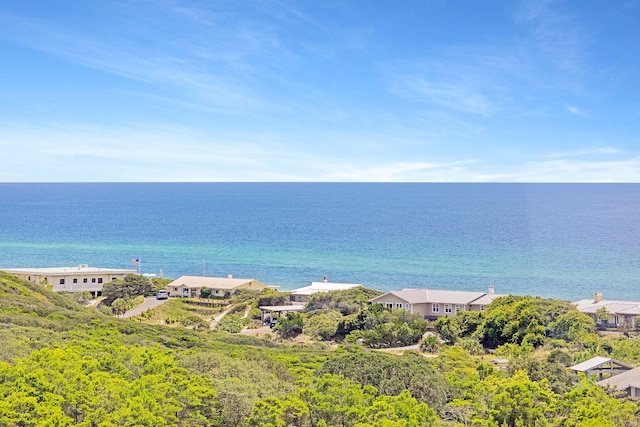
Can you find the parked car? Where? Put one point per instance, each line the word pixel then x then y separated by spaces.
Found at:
pixel 162 295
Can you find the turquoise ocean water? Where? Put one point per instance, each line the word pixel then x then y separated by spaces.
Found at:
pixel 554 240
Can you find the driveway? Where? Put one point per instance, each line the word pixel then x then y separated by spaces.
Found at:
pixel 149 302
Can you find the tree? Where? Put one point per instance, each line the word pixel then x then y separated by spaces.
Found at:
pixel 205 292
pixel 129 288
pixel 430 344
pixel 520 320
pixel 289 326
pixel 382 327
pixel 603 315
pixel 119 306
pixel 391 375
pixel 447 329
pixel 158 283
pixel 347 301
pixel 323 326
pixel 397 411
pixel 573 325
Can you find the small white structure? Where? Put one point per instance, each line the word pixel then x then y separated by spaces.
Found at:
pixel 300 295
pixel 72 279
pixel 274 311
pixel 602 366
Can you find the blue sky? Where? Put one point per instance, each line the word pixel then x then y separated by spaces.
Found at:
pixel 172 90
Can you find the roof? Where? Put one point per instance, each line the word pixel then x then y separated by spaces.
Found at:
pixel 213 282
pixel 623 381
pixel 276 308
pixel 421 296
pixel 487 299
pixel 597 361
pixel 612 306
pixel 65 271
pixel 316 287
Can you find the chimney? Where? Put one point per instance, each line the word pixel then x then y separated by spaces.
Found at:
pixel 229 276
pixel 597 297
pixel 491 289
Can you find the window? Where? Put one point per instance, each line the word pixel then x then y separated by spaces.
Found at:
pixel 407 306
pixel 84 280
pixel 447 308
pixel 93 280
pixel 75 280
pixel 435 308
pixel 399 305
pixel 459 308
pixel 99 279
pixel 62 281
pixel 482 308
pixel 388 304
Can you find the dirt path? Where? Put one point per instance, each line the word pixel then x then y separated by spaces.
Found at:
pixel 219 317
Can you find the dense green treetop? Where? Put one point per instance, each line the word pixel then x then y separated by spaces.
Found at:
pixel 132 286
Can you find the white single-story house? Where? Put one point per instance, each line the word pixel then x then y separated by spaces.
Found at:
pixel 621 313
pixel 300 295
pixel 434 303
pixel 81 278
pixel 190 286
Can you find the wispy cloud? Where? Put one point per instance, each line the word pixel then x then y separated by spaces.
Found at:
pixel 569 170
pixel 402 172
pixel 575 111
pixel 121 153
pixel 491 79
pixel 555 33
pixel 472 79
pixel 587 152
pixel 202 69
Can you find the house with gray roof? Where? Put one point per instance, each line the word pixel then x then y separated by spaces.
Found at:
pixel 191 286
pixel 621 313
pixel 434 303
pixel 627 382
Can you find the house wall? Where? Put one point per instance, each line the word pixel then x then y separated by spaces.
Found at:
pixel 299 298
pixel 183 291
pixel 428 310
pixel 477 307
pixel 77 282
pixel 392 301
pixel 194 290
pixel 435 310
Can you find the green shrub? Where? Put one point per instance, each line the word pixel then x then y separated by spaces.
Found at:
pixel 232 323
